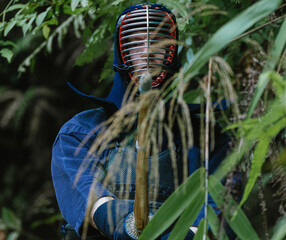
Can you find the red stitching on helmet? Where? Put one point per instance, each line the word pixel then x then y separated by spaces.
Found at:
pixel 120 41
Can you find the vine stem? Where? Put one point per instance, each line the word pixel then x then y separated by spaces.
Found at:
pixel 208 93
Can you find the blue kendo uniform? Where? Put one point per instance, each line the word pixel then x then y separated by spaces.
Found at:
pixel 71 150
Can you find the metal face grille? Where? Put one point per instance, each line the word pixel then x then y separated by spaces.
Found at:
pixel 147 43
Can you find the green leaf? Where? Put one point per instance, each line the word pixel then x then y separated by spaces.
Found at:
pixel 215 225
pixel 15 6
pixel 46 31
pixel 193 96
pixel 9 27
pixel 2 224
pixel 280 230
pixel 52 219
pixel 200 233
pixel 13 236
pixel 233 159
pixel 78 25
pixel 7 43
pixel 272 60
pixel 53 21
pixel 275 113
pixel 84 3
pixel 25 104
pixel 10 219
pixel 174 205
pixel 41 17
pixel 244 127
pixel 95 47
pixel 117 2
pixel 261 149
pixel 50 44
pixel 26 27
pixel 257 162
pixel 188 217
pixel 240 223
pixel 279 84
pixel 272 131
pixel 6 53
pixel 176 5
pixel 107 71
pixel 74 4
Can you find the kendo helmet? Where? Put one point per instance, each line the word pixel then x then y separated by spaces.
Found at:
pixel 146 41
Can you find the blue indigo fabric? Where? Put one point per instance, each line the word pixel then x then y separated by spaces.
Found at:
pixel 71 160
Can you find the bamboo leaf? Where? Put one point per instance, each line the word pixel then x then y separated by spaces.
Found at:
pixel 174 205
pixel 279 45
pixel 193 96
pixel 200 232
pixel 240 224
pixel 257 162
pixel 272 60
pixel 233 159
pixel 280 230
pixel 215 224
pixel 188 217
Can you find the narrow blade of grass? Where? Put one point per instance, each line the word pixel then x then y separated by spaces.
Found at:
pixel 215 225
pixel 174 206
pixel 200 232
pixel 280 230
pixel 188 217
pixel 240 223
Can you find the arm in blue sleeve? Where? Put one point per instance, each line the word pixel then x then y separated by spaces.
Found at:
pixel 66 163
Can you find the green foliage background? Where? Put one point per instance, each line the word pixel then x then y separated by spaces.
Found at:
pixel 45 43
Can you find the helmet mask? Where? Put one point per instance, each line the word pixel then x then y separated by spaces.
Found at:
pixel 146 43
